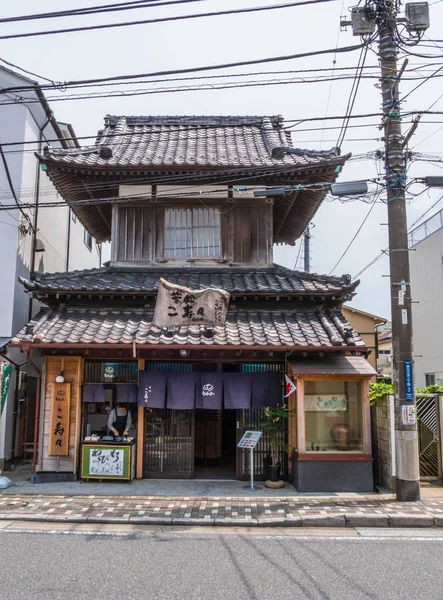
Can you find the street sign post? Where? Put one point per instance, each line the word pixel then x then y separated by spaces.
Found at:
pixel 249 440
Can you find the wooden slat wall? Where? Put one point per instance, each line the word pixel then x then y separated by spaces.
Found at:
pixel 72 370
pixel 250 235
pixel 135 233
pixel 245 233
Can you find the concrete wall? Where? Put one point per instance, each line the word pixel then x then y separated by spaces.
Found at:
pixel 426 264
pixel 382 443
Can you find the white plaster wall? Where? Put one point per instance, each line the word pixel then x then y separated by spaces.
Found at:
pixel 426 263
pixel 20 122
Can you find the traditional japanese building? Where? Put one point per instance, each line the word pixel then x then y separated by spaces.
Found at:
pixel 177 198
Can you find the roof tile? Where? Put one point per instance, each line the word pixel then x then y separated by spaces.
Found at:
pixel 300 328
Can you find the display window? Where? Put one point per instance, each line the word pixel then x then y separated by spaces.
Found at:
pixel 333 416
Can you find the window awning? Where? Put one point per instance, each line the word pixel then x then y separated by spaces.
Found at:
pixel 332 365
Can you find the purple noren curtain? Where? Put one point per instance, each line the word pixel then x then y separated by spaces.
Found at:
pixel 181 391
pixel 93 392
pixel 266 388
pixel 237 390
pixel 126 393
pixel 209 391
pixel 152 389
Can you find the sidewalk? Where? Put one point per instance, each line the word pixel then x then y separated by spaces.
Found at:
pixel 338 510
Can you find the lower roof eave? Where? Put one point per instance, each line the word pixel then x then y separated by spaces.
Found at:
pixel 317 349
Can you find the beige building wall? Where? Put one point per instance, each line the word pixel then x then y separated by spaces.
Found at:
pixel 365 324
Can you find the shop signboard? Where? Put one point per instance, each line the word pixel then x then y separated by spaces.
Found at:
pixel 108 461
pixel 325 402
pixel 59 421
pixel 177 305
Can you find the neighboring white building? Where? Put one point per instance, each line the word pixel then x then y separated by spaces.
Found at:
pixel 426 263
pixel 38 238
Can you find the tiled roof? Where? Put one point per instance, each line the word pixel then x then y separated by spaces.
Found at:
pixel 306 328
pixel 190 141
pixel 275 280
pixel 192 150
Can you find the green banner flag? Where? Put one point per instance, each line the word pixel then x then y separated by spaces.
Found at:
pixel 6 372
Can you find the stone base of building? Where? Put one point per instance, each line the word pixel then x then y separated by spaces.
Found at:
pixel 331 476
pixel 46 477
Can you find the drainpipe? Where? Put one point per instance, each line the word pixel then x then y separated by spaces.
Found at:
pixel 68 243
pixel 15 408
pixel 36 198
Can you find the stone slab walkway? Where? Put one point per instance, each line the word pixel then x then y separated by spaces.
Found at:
pixel 351 511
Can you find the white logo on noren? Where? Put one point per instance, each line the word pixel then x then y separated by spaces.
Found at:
pixel 208 390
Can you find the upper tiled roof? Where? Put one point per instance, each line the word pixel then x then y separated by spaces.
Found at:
pixel 304 328
pixel 191 141
pixel 194 150
pixel 275 280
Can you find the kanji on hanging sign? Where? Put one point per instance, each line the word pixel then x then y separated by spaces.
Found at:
pixel 289 387
pixel 177 305
pixel 59 422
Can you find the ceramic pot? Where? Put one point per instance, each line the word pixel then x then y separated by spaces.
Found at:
pixel 341 435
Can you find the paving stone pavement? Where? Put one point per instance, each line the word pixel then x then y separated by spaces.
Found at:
pixel 357 511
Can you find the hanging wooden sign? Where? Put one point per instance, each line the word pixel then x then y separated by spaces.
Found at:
pixel 59 423
pixel 177 305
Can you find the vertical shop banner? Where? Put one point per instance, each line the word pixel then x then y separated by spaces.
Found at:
pixel 177 305
pixel 59 423
pixel 5 379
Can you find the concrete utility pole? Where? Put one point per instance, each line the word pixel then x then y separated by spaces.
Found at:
pixel 383 15
pixel 406 435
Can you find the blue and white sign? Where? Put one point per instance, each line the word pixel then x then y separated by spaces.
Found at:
pixel 409 390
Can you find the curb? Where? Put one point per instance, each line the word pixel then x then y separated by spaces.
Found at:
pixel 395 520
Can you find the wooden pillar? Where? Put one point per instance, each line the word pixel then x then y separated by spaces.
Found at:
pixel 366 416
pixel 140 432
pixel 301 432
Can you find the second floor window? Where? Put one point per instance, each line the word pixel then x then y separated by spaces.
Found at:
pixel 192 233
pixel 87 238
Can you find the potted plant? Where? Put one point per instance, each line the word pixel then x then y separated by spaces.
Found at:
pixel 274 428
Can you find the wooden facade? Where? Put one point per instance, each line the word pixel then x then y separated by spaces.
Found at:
pixel 245 233
pixel 72 369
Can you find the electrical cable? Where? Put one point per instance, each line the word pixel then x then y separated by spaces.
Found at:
pixel 222 66
pixel 352 96
pixel 77 12
pixel 354 237
pixel 11 187
pixel 234 11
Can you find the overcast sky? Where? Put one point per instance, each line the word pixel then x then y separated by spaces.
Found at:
pixel 215 40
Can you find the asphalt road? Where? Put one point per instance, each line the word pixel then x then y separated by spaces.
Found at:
pixel 203 565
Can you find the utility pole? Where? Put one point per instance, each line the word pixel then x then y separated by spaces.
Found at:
pixel 383 15
pixel 406 434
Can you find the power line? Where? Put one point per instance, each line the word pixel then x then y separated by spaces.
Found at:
pixel 76 12
pixel 354 238
pixel 163 19
pixel 11 187
pixel 181 89
pixel 83 82
pixel 385 251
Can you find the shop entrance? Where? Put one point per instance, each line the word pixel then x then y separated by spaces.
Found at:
pixel 215 444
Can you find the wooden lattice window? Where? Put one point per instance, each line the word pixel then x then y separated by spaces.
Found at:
pixel 192 233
